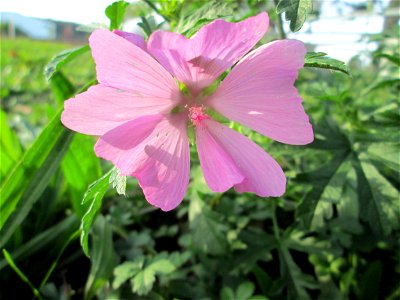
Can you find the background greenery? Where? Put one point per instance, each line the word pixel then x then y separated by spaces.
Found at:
pixel 334 235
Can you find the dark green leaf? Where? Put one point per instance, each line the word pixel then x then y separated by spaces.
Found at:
pixel 94 194
pixel 378 199
pixel 295 11
pixel 320 60
pixel 24 278
pixel 393 58
pixel 207 231
pixel 116 12
pixel 104 258
pixel 53 236
pixel 61 59
pixel 328 181
pixel 296 280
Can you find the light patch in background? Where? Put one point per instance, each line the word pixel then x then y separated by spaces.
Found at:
pixel 77 11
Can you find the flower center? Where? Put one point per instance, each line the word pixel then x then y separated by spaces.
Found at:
pixel 196 114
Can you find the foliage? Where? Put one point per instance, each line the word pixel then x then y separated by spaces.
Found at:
pixel 333 235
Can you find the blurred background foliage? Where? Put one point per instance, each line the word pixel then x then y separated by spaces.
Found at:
pixel 333 235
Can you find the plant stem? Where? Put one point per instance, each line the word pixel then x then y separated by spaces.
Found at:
pixel 151 4
pixel 279 23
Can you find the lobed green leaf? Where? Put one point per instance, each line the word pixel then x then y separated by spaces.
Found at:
pixel 320 60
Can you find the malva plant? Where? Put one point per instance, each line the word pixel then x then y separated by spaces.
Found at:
pixel 142 116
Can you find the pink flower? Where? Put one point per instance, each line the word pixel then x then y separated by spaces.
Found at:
pixel 141 115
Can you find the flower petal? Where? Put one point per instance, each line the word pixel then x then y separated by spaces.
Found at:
pixel 134 38
pixel 103 108
pixel 198 61
pixel 262 174
pixel 155 150
pixel 259 93
pixel 220 171
pixel 121 64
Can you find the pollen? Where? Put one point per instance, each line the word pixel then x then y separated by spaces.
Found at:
pixel 197 114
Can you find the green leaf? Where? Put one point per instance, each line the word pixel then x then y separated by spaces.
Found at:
pixel 392 58
pixel 320 60
pixel 116 12
pixel 11 150
pixel 296 280
pixel 126 271
pixel 118 182
pixel 245 290
pixel 62 58
pixel 208 233
pixel 378 199
pixel 24 278
pixel 327 182
pixel 211 10
pixel 31 176
pixel 52 236
pixel 104 258
pixel 143 282
pixel 80 168
pixel 226 293
pixel 295 11
pixel 95 194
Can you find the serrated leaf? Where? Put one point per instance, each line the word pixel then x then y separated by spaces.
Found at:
pixel 211 10
pixel 104 258
pixel 313 210
pixel 116 12
pixel 94 194
pixel 379 200
pixel 126 271
pixel 296 280
pixel 295 11
pixel 118 182
pixel 143 282
pixel 207 231
pixel 320 60
pixel 62 58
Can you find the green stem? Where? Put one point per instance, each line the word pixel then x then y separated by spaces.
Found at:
pixel 275 224
pixel 279 23
pixel 149 3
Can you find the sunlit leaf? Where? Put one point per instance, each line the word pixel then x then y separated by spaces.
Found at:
pixel 11 150
pixel 320 60
pixel 211 10
pixel 94 195
pixel 296 12
pixel 61 59
pixel 118 182
pixel 116 13
pixel 126 271
pixel 143 282
pixel 31 175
